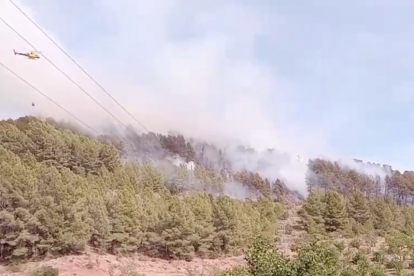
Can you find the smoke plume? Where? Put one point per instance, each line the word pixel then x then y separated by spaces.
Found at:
pixel 175 65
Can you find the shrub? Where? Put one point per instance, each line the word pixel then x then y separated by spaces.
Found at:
pixel 45 271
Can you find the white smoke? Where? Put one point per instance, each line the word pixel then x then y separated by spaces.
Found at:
pixel 209 84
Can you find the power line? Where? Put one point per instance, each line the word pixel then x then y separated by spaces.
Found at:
pixel 47 97
pixel 80 67
pixel 69 78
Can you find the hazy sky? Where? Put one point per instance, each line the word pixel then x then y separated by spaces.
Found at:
pixel 309 77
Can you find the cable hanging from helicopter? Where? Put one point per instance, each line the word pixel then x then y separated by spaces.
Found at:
pixel 29 55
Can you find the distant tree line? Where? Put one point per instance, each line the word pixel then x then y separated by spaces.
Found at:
pixel 392 184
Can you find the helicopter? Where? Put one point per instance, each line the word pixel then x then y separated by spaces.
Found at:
pixel 29 55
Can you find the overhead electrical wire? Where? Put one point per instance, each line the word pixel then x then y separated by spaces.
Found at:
pixel 69 78
pixel 80 67
pixel 47 97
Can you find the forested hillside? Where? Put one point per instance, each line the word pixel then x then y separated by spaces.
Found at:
pixel 61 191
pixel 166 196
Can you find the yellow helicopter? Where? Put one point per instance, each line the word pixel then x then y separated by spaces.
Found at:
pixel 30 55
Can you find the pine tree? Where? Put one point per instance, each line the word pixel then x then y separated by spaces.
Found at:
pixel 312 211
pixel 358 208
pixel 335 216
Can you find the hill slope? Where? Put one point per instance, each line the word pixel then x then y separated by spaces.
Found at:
pixel 62 191
pixel 175 198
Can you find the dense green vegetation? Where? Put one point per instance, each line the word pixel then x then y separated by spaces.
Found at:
pixel 312 259
pixel 330 258
pixel 342 235
pixel 61 191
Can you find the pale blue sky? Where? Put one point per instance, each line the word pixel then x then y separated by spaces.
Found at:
pixel 346 68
